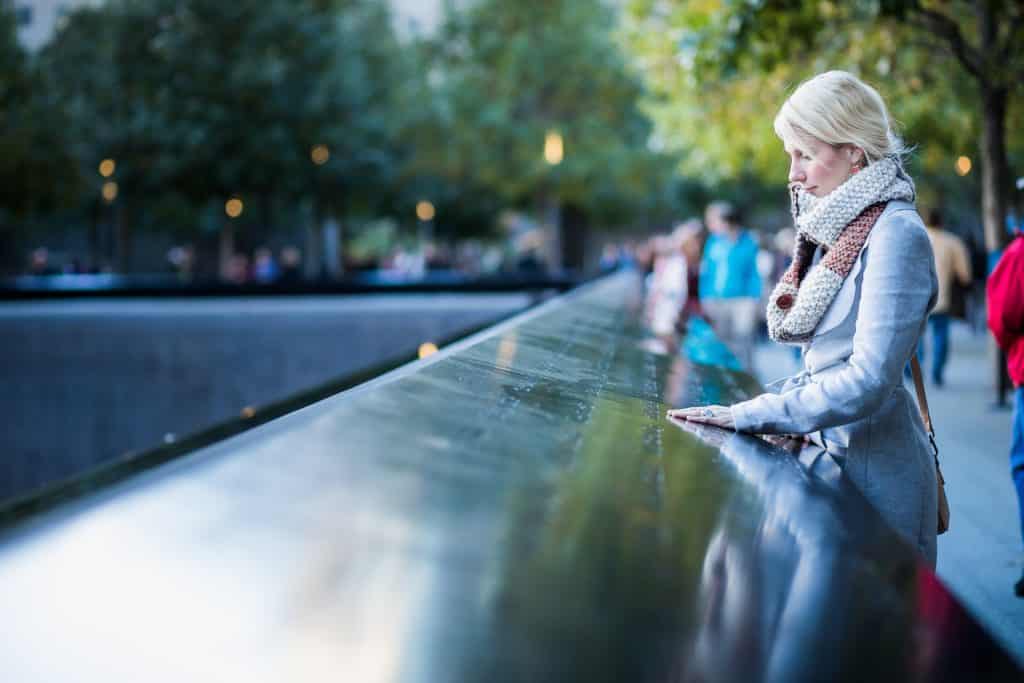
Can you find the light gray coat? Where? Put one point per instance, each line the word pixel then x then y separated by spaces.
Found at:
pixel 851 396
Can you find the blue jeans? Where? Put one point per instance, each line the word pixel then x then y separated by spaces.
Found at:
pixel 939 322
pixel 1017 451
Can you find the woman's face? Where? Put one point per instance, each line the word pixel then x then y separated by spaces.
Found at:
pixel 819 167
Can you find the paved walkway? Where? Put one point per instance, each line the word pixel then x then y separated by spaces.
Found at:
pixel 982 555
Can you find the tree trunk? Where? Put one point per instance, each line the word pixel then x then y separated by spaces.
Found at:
pixel 313 263
pixel 266 215
pixel 227 248
pixel 123 232
pixel 550 215
pixel 995 176
pixel 332 247
pixel 575 233
pixel 95 258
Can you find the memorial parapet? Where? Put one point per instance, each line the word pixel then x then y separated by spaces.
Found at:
pixel 513 508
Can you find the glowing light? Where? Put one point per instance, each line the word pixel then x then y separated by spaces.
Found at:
pixel 963 165
pixel 107 167
pixel 507 350
pixel 427 349
pixel 553 148
pixel 234 207
pixel 109 191
pixel 424 210
pixel 319 154
pixel 248 412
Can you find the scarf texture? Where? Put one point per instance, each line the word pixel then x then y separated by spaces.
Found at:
pixel 840 222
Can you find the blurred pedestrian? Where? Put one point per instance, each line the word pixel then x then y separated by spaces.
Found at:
pixel 237 272
pixel 609 257
pixel 264 267
pixel 953 268
pixel 856 297
pixel 182 261
pixel 291 265
pixel 730 286
pixel 692 236
pixel 667 293
pixel 1005 291
pixel 39 262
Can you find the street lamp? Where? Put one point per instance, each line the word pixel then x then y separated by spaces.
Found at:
pixel 425 213
pixel 424 210
pixel 963 165
pixel 319 154
pixel 553 148
pixel 109 191
pixel 234 207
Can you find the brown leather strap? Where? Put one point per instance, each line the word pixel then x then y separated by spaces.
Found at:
pixel 922 399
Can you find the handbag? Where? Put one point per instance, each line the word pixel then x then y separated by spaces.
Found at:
pixel 942 523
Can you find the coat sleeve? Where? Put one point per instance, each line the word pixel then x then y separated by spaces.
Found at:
pixel 898 290
pixel 1006 296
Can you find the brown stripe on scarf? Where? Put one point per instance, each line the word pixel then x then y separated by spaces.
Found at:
pixel 840 258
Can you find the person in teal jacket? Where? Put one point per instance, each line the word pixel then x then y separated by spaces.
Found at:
pixel 730 286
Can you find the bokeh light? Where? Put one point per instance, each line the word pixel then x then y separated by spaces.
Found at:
pixel 425 210
pixel 109 191
pixel 963 165
pixel 553 148
pixel 107 167
pixel 234 207
pixel 319 154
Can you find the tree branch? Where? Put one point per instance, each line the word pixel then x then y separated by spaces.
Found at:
pixel 939 49
pixel 1011 48
pixel 944 27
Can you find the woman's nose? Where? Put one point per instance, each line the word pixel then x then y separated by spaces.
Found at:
pixel 796 174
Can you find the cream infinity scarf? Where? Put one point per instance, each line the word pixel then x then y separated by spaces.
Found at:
pixel 840 222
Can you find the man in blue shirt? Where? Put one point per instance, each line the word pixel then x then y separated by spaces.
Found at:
pixel 730 285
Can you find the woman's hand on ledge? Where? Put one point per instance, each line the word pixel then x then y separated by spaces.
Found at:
pixel 718 416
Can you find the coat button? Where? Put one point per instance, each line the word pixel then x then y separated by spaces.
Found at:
pixel 785 302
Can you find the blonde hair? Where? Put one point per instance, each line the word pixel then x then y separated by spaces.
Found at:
pixel 838 108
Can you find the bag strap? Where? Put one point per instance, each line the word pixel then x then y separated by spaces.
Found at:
pixel 922 403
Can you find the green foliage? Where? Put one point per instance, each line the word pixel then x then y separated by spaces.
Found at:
pixel 36 172
pixel 504 74
pixel 201 100
pixel 719 70
pixel 206 99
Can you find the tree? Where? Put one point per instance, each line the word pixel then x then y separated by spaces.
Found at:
pixel 276 101
pixel 985 40
pixel 109 77
pixel 733 63
pixel 37 172
pixel 507 76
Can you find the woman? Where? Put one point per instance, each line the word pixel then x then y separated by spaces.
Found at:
pixel 856 298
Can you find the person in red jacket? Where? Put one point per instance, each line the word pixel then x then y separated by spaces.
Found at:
pixel 1006 320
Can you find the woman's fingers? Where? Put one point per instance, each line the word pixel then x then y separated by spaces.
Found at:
pixel 719 416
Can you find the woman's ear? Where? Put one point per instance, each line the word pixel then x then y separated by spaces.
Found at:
pixel 856 156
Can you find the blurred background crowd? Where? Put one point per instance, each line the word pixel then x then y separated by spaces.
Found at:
pixel 723 271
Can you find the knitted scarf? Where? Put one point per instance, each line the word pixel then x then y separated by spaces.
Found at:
pixel 840 222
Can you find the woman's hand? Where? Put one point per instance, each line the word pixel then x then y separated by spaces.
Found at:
pixel 718 416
